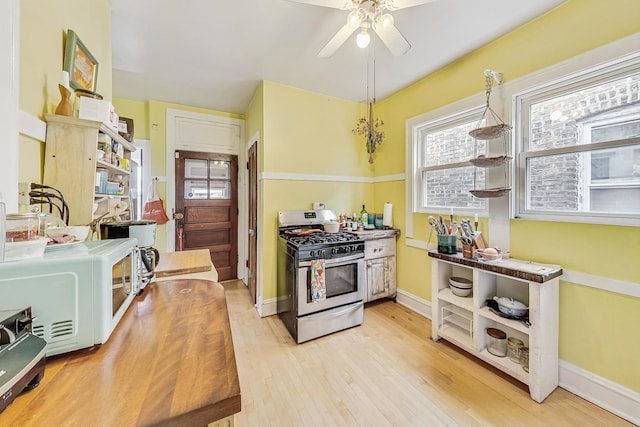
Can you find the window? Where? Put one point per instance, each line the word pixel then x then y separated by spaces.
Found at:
pixel 580 147
pixel 207 179
pixel 443 176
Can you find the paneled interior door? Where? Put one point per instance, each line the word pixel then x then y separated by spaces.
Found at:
pixel 252 260
pixel 207 207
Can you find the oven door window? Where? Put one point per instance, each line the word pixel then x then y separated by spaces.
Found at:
pixel 338 280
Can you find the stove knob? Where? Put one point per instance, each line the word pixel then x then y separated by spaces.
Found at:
pixel 347 249
pixel 320 252
pixel 311 253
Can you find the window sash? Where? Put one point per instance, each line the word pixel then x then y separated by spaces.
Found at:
pixel 522 108
pixel 470 116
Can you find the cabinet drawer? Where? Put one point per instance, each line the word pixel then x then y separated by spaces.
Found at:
pixel 379 248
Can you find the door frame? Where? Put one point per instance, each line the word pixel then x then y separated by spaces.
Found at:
pixel 258 273
pixel 172 146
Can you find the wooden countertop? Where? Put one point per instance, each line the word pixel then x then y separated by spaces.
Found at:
pixel 174 263
pixel 525 270
pixel 170 362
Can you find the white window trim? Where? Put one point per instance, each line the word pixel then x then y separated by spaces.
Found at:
pixel 571 70
pixel 412 154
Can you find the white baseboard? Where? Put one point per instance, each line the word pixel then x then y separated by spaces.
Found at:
pixel 268 308
pixel 414 303
pixel 608 395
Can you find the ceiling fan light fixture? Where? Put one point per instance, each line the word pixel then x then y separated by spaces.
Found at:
pixel 354 19
pixel 385 20
pixel 363 38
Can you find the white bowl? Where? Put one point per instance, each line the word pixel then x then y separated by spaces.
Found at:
pixel 460 282
pixel 488 257
pixel 80 231
pixel 331 226
pixel 459 291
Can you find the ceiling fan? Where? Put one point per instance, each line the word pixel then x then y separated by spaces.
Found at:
pixel 367 15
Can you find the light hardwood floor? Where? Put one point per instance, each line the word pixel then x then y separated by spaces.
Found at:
pixel 386 372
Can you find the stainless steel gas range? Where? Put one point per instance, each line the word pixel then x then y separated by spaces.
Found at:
pixel 320 275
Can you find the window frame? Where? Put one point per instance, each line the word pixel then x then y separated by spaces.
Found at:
pixel 438 119
pixel 546 89
pixel 468 116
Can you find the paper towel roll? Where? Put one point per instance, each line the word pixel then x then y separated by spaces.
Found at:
pixel 387 216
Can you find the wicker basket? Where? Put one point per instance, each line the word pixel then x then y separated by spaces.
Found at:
pixel 490 132
pixel 489 162
pixel 490 193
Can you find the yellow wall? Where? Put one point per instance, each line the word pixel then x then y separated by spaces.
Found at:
pixel 598 329
pixel 138 111
pixel 43 26
pixel 308 133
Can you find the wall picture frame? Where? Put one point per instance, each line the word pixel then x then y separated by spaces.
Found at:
pixel 81 65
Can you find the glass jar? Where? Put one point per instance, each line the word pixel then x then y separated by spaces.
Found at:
pixel 514 349
pixel 22 227
pixel 496 342
pixel 524 358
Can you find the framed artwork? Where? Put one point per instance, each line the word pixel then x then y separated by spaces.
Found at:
pixel 81 65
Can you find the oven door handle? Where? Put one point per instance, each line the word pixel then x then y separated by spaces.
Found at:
pixel 334 261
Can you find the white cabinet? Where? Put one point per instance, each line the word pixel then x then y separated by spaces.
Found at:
pixel 71 166
pixel 463 320
pixel 381 278
pixel 380 268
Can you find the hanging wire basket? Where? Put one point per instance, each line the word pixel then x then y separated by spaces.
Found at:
pixel 489 162
pixel 500 129
pixel 490 193
pixel 493 131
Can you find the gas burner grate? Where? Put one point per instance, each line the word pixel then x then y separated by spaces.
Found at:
pixel 321 238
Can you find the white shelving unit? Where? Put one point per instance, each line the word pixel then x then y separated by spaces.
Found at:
pixel 71 164
pixel 463 320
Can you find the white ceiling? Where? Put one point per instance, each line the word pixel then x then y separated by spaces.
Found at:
pixel 213 53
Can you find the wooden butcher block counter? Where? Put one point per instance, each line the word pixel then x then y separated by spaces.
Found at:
pixel 196 263
pixel 170 362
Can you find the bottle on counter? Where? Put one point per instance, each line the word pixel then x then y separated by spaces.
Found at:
pixel 364 216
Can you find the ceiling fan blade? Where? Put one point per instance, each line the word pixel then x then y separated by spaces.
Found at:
pixel 403 4
pixel 336 4
pixel 341 36
pixel 393 39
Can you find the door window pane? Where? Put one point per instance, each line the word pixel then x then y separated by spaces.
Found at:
pixel 219 169
pixel 219 189
pixel 195 168
pixel 195 189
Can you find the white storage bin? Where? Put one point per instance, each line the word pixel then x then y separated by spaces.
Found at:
pixel 98 110
pixel 14 251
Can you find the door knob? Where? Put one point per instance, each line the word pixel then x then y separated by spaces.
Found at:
pixel 178 215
